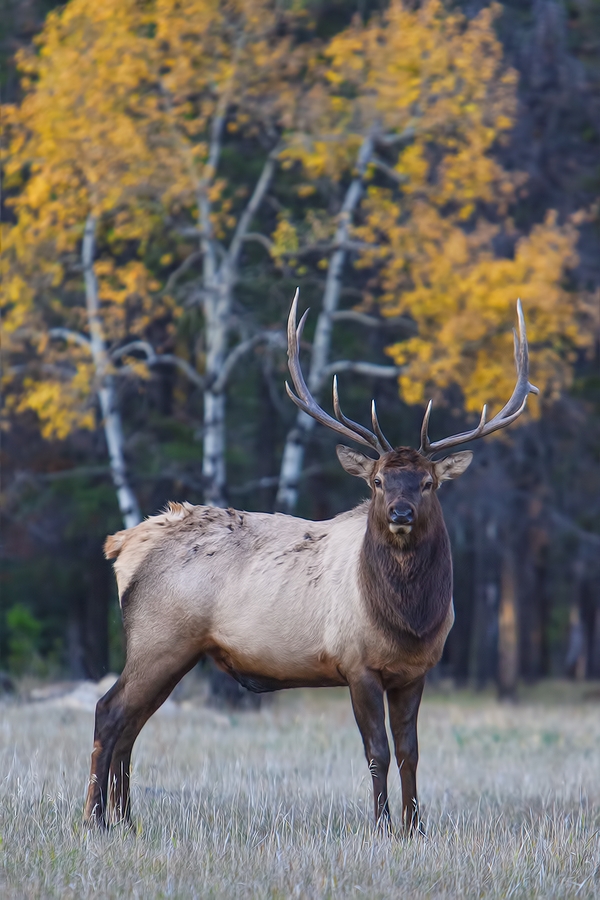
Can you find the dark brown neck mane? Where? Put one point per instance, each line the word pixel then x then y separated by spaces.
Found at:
pixel 407 584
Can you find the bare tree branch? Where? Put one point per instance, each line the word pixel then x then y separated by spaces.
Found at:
pixel 187 263
pixel 568 524
pixel 272 383
pixel 350 315
pixel 389 171
pixel 260 239
pixel 169 359
pixel 323 249
pixel 74 337
pixel 276 338
pixel 372 370
pixel 160 359
pixel 76 472
pixel 392 140
pixel 270 481
pixel 260 189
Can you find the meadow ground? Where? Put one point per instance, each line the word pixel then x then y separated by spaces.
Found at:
pixel 276 804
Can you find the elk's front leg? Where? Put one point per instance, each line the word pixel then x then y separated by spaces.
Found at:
pixel 404 705
pixel 369 710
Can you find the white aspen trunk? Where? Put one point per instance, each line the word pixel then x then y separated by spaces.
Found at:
pixel 216 308
pixel 111 418
pixel 218 291
pixel 217 311
pixel 297 439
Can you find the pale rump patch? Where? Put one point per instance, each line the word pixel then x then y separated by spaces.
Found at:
pixel 130 548
pixel 114 544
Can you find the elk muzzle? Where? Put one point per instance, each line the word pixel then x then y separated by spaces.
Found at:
pixel 400 519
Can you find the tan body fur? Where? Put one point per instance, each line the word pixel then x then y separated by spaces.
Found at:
pixel 270 596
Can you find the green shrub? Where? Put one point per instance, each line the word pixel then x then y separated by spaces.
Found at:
pixel 24 633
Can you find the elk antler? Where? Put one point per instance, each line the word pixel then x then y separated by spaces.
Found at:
pixel 308 404
pixel 507 414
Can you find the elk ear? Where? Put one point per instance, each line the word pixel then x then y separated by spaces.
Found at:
pixel 453 466
pixel 355 463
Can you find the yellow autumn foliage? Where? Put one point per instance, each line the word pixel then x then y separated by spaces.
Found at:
pixel 284 238
pixel 120 103
pixel 463 299
pixel 120 99
pixel 432 87
pixel 62 405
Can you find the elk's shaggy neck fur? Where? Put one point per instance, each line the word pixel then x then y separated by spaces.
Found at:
pixel 406 580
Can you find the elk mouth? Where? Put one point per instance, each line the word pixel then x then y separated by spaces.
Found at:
pixel 400 529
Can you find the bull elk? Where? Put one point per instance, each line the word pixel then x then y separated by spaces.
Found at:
pixel 363 600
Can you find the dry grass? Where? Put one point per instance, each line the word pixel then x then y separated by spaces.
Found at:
pixel 277 804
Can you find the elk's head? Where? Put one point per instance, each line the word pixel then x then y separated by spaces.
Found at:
pixel 404 481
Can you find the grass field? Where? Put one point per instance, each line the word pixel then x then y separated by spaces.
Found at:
pixel 277 804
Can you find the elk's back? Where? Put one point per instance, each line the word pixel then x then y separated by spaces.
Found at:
pixel 259 588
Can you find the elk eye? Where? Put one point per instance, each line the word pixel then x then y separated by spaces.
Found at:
pixel 428 485
pixel 377 482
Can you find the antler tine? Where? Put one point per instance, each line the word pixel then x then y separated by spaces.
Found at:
pixel 426 445
pixel 424 448
pixel 523 387
pixel 511 411
pixel 377 428
pixel 369 437
pixel 306 402
pixel 294 332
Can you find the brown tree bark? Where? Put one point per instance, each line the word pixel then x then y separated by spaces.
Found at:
pixel 576 659
pixel 483 653
pixel 508 630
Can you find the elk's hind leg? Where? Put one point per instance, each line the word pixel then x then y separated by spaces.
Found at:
pixel 147 680
pixel 111 715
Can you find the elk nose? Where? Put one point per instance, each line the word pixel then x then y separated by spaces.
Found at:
pixel 401 515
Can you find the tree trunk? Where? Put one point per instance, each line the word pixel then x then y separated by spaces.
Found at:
pixel 88 636
pixel 95 612
pixel 594 660
pixel 75 651
pixel 460 638
pixel 508 634
pixel 217 313
pixel 533 638
pixel 111 418
pixel 88 624
pixel 576 659
pixel 485 627
pixel 297 439
pixel 266 442
pixel 219 281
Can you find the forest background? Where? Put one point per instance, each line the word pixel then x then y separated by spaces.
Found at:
pixel 173 170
